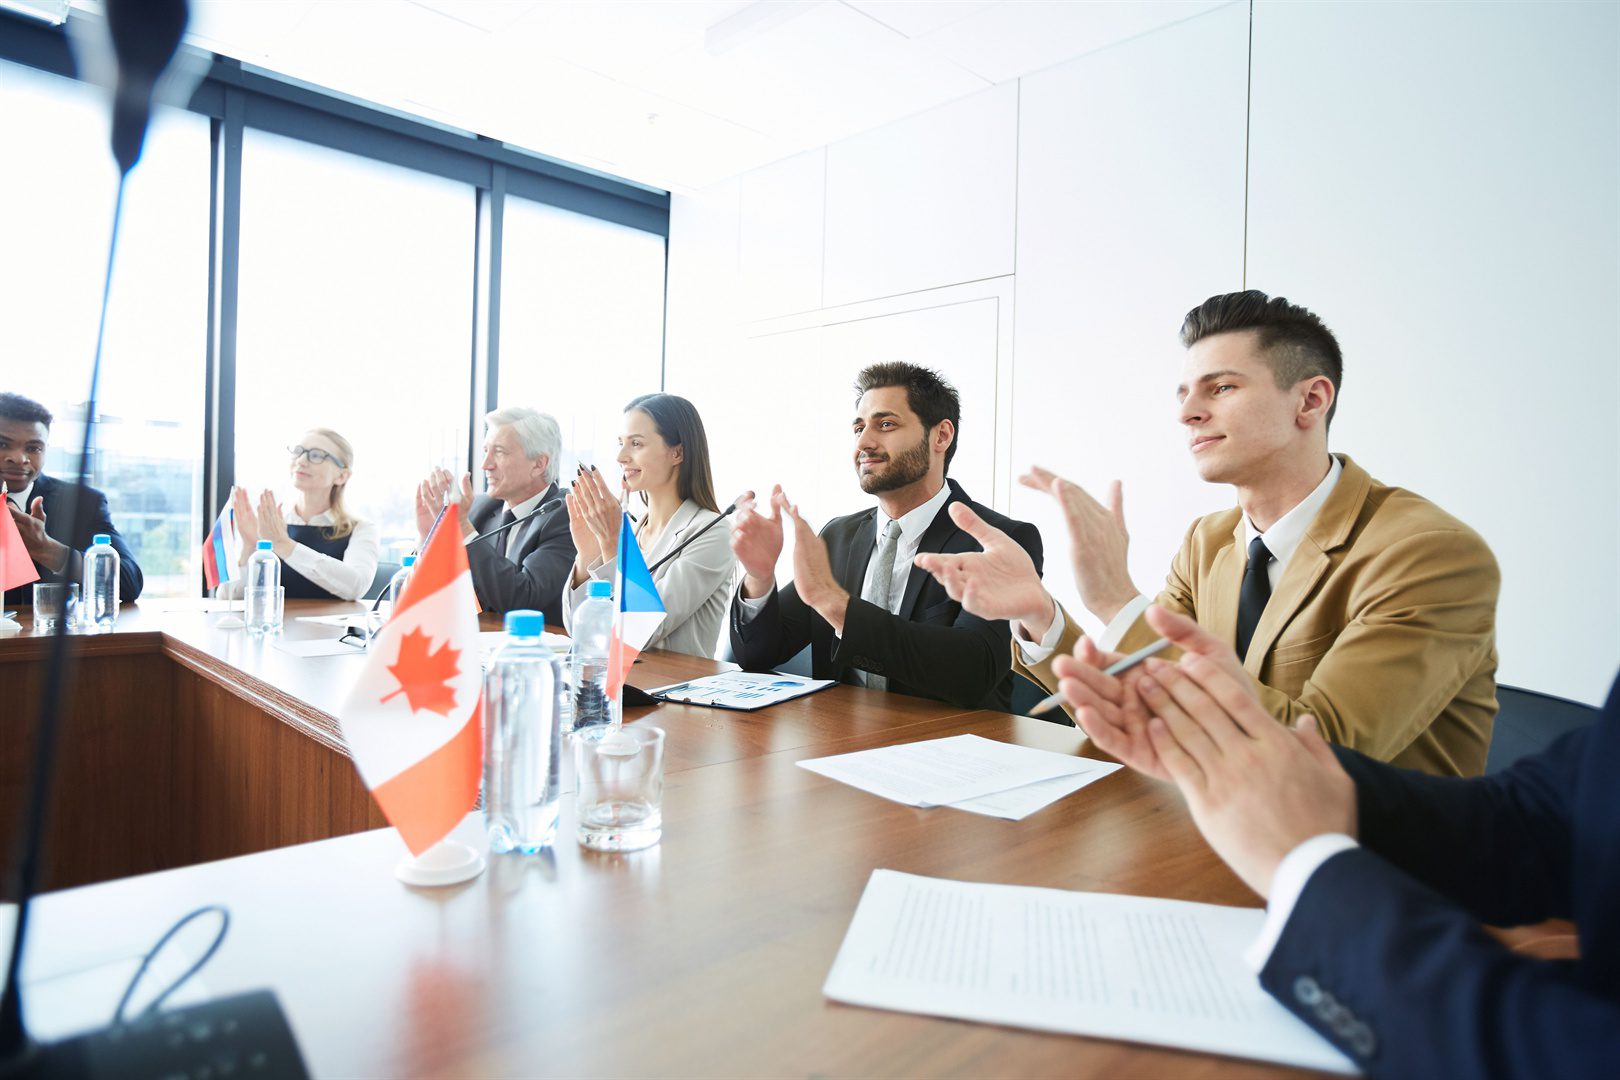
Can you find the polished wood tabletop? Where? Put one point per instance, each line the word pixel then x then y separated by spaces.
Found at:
pixel 704 955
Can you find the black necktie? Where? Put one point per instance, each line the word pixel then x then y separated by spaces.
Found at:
pixel 1256 591
pixel 507 517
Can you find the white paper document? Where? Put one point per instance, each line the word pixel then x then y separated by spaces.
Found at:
pixel 944 772
pixel 1018 803
pixel 321 647
pixel 1164 972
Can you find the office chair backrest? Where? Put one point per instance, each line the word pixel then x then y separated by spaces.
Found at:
pixel 379 581
pixel 1528 722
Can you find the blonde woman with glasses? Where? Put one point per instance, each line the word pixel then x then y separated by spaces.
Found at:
pixel 326 553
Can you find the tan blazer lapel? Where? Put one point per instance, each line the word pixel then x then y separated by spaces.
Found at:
pixel 1330 530
pixel 1218 606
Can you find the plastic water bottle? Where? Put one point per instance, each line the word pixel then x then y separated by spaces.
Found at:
pixel 396 584
pixel 263 583
pixel 100 593
pixel 523 691
pixel 593 631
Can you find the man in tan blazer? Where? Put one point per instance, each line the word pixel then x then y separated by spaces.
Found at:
pixel 1363 605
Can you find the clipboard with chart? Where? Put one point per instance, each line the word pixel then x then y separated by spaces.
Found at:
pixel 744 691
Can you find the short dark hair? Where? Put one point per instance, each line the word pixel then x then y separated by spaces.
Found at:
pixel 927 393
pixel 678 424
pixel 1296 342
pixel 29 411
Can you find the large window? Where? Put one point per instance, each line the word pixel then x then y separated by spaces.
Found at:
pixel 291 259
pixel 582 321
pixel 56 202
pixel 356 314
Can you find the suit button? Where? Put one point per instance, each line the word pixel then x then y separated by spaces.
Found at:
pixel 1306 992
pixel 1362 1040
pixel 1344 1022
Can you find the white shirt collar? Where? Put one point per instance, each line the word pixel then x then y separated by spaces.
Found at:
pixel 322 518
pixel 531 502
pixel 1286 533
pixel 20 498
pixel 914 522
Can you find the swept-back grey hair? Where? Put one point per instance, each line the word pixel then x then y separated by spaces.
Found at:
pixel 537 433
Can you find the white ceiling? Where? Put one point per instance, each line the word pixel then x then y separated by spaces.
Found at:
pixel 674 93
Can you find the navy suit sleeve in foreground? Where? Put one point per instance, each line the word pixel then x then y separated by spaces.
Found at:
pixel 1384 954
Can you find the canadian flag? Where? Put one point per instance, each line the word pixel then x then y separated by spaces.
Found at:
pixel 412 719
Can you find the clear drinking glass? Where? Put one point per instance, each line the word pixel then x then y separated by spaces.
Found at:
pixel 620 773
pixel 53 602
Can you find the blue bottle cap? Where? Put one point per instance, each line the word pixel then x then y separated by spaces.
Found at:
pixel 600 588
pixel 264 545
pixel 525 623
pixel 103 538
pixel 410 560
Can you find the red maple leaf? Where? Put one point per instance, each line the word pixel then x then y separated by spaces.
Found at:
pixel 424 676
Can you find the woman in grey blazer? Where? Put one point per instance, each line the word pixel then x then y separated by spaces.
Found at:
pixel 663 455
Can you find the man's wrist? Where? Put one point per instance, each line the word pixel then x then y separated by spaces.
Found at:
pixel 1035 626
pixel 756 587
pixel 832 604
pixel 1108 609
pixel 56 555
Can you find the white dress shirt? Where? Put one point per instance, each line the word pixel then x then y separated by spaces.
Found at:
pixel 1282 540
pixel 913 525
pixel 1286 885
pixel 347 578
pixel 20 498
pixel 526 506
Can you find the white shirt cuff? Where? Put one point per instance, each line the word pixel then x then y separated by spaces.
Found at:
pixel 1126 618
pixel 751 606
pixel 1286 884
pixel 1035 652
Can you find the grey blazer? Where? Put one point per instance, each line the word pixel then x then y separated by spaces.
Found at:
pixel 695 585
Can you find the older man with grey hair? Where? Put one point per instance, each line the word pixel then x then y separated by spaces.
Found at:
pixel 523 566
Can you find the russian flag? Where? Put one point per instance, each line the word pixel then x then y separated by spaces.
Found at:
pixel 222 550
pixel 641 609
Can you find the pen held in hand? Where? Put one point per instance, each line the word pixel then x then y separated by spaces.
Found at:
pixel 1118 667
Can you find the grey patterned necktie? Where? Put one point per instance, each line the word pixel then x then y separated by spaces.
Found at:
pixel 881 592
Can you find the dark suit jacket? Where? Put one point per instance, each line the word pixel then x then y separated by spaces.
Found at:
pixel 1387 935
pixel 932 648
pixel 92 518
pixel 545 551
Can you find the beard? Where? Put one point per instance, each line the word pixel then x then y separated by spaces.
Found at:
pixel 908 468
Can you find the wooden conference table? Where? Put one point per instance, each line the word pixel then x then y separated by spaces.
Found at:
pixel 703 956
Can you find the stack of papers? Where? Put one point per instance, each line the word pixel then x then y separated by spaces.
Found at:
pixel 1165 972
pixel 966 772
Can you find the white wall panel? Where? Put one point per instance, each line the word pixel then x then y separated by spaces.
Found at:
pixel 1438 182
pixel 1130 213
pixel 924 202
pixel 702 292
pixel 780 242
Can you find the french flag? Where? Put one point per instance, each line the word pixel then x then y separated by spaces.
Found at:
pixel 641 610
pixel 222 551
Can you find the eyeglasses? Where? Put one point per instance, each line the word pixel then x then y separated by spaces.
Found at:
pixel 316 457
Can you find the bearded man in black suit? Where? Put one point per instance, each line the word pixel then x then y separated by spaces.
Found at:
pixel 869 616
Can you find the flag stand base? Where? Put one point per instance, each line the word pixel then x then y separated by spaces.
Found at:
pixel 445 863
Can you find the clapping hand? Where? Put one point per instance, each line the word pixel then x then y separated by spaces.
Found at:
pixel 247 522
pixel 1097 541
pixel 756 540
pixel 999 582
pixel 592 504
pixel 433 493
pixel 813 577
pixel 1256 789
pixel 272 525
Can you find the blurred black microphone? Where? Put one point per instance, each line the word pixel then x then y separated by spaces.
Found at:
pixel 684 543
pixel 145 36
